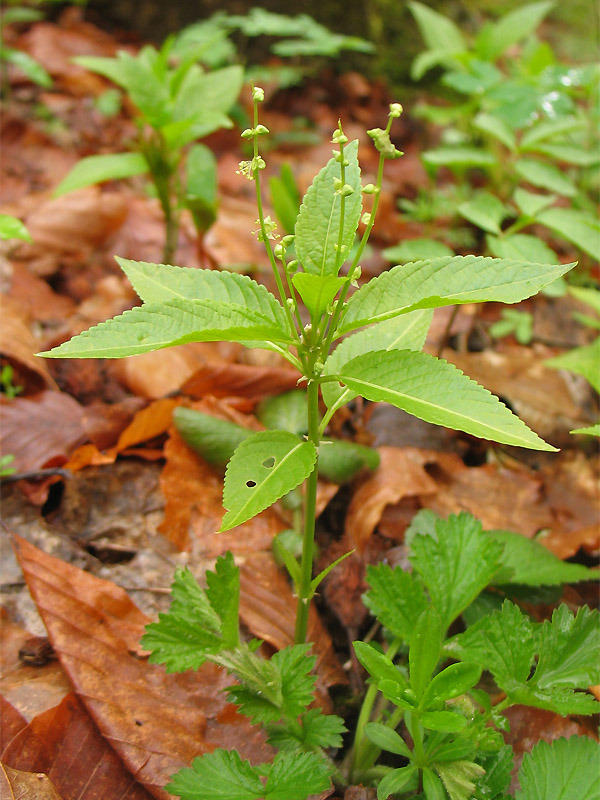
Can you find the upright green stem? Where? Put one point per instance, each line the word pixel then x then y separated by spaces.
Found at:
pixel 310 507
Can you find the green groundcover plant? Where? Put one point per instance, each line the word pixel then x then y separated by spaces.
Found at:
pixel 379 330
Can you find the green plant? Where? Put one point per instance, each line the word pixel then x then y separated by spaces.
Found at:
pixel 9 390
pixel 315 309
pixel 177 102
pixel 519 119
pixel 13 228
pixel 16 14
pixel 519 323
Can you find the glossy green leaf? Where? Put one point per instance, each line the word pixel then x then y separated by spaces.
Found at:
pixel 577 227
pixel 566 769
pixel 446 281
pixel 387 739
pixel 456 564
pixel 443 721
pixel 96 169
pixel 405 379
pixel 264 467
pixel 379 665
pixel 317 291
pixel 404 332
pixel 485 210
pixel 158 325
pixel 13 228
pixel 425 649
pixel 451 682
pixel 317 226
pixel 546 176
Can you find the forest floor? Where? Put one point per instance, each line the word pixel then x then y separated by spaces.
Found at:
pixel 97 540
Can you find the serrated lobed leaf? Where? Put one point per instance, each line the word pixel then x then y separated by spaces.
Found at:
pixel 295 666
pixel 263 468
pixel 221 775
pixel 456 565
pixel 569 649
pixel 258 693
pixel 566 769
pixel 296 776
pixel 446 281
pixel 396 598
pixel 436 391
pixel 317 226
pixel 316 729
pixel 404 332
pixel 158 283
pixel 158 325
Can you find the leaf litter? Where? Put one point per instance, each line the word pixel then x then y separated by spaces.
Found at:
pixel 111 427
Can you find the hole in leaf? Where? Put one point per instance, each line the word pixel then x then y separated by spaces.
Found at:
pixel 251 484
pixel 269 462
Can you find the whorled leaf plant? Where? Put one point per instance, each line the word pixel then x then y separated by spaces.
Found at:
pixel 344 344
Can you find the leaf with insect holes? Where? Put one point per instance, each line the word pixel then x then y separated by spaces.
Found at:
pixel 263 468
pixel 199 622
pixel 438 392
pixel 317 227
pixel 152 327
pixel 404 332
pixel 446 281
pixel 455 565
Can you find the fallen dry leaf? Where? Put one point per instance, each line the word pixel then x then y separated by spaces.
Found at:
pixel 34 294
pixel 18 346
pixel 40 429
pixel 565 544
pixel 26 785
pixel 156 722
pixel 64 743
pixel 11 723
pixel 239 380
pixel 156 374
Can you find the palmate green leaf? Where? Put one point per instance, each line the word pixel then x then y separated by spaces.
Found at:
pixel 263 468
pixel 396 598
pixel 95 169
pixel 404 332
pixel 157 283
pixel 223 775
pixel 317 226
pixel 569 650
pixel 438 392
pixel 198 623
pixel 566 769
pixel 526 562
pixel 456 564
pixel 158 325
pixel 316 729
pixel 446 281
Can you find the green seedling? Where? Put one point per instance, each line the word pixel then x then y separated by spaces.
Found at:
pixel 9 390
pixel 519 323
pixel 344 344
pixel 13 228
pixel 518 120
pixel 177 102
pixel 17 15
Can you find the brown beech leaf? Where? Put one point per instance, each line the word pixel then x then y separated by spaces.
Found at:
pixel 11 723
pixel 565 544
pixel 64 743
pixel 194 508
pixel 26 785
pixel 33 293
pixel 18 346
pixel 40 429
pixel 268 609
pixel 239 380
pixel 223 242
pixel 156 374
pixel 401 473
pixel 156 722
pixel 571 486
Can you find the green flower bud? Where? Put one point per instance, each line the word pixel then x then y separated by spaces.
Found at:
pixel 261 130
pixel 395 110
pixel 248 133
pixel 258 94
pixel 370 188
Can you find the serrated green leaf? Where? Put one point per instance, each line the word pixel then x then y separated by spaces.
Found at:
pixel 387 739
pixel 498 767
pixel 456 564
pixel 581 360
pixel 451 682
pixel 317 226
pixel 577 227
pixel 425 649
pixel 521 246
pixel 212 438
pixel 193 628
pixel 446 281
pixel 592 430
pixel 546 176
pixel 484 210
pixel 396 598
pixel 378 664
pixel 158 325
pixel 316 729
pixel 317 291
pixel 405 379
pixel 287 412
pixel 527 562
pixel 259 692
pixel 296 776
pixel 263 468
pixel 569 652
pixel 13 228
pixel 566 769
pixel 458 777
pixel 221 775
pixel 158 283
pixel 404 332
pixel 96 169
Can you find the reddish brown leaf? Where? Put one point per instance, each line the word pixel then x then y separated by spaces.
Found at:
pixel 268 609
pixel 18 346
pixel 240 380
pixel 40 429
pixel 11 723
pixel 42 303
pixel 156 722
pixel 162 372
pixel 565 544
pixel 26 785
pixel 64 743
